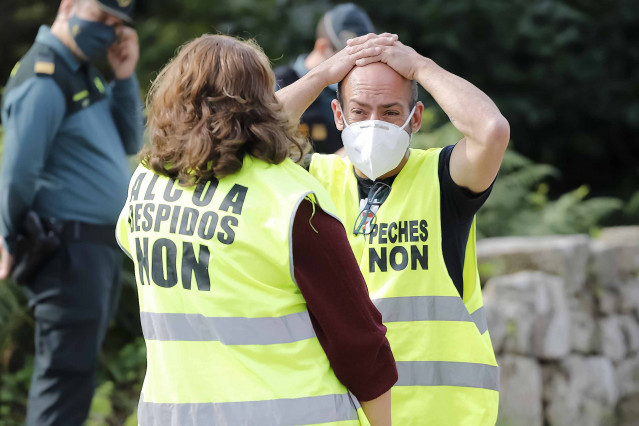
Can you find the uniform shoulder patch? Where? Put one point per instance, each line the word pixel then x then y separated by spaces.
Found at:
pixel 44 63
pixel 47 68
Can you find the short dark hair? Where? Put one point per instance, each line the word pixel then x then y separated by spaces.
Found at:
pixel 411 103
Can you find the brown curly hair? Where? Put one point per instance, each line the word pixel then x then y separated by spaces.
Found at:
pixel 212 104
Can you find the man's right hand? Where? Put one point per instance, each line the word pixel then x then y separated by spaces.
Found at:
pixel 403 59
pixel 6 260
pixel 339 65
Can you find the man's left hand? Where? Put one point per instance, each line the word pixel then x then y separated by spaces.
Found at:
pixel 123 55
pixel 403 59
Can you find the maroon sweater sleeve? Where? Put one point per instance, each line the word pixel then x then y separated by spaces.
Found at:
pixel 346 322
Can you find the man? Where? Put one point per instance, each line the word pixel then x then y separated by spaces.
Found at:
pixel 339 24
pixel 409 215
pixel 68 134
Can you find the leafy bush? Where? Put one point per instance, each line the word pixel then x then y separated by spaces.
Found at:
pixel 116 399
pixel 14 388
pixel 519 203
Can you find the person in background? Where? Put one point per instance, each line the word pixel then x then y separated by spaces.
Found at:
pixel 67 136
pixel 339 24
pixel 247 317
pixel 409 215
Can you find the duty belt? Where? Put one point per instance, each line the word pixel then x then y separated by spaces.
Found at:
pixel 87 232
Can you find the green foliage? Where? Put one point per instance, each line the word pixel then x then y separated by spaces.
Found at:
pixel 519 203
pixel 132 420
pixel 632 207
pixel 514 211
pixel 101 407
pixel 123 360
pixel 16 348
pixel 115 400
pixel 432 136
pixel 124 369
pixel 13 313
pixel 14 389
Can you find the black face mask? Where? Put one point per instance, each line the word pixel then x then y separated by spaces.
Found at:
pixel 92 38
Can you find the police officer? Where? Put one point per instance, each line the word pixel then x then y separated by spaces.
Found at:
pixel 67 136
pixel 409 215
pixel 339 24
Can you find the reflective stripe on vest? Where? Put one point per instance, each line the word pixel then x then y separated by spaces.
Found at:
pixel 275 412
pixel 228 330
pixel 429 308
pixel 444 373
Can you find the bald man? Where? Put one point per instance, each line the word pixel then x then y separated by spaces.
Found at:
pixel 409 215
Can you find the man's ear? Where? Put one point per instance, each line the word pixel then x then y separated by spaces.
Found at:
pixel 416 121
pixel 338 114
pixel 323 46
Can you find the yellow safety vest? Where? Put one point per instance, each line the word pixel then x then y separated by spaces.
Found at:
pixel 448 374
pixel 228 335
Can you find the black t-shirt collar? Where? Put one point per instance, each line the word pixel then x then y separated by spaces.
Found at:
pixel 364 185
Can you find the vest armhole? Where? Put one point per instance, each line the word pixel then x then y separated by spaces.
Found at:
pixel 470 273
pixel 310 196
pixel 291 264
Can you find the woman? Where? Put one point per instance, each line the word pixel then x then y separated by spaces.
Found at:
pixel 228 236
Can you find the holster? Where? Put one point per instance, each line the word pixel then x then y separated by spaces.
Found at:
pixel 38 240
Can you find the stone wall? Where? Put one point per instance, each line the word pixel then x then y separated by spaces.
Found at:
pixel 563 314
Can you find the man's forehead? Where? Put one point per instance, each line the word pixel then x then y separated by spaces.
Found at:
pixel 375 82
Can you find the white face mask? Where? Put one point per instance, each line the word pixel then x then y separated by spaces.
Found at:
pixel 375 147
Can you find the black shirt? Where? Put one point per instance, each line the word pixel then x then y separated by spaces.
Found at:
pixel 458 207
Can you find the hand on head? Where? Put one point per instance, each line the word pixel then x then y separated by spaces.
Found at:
pixel 366 47
pixel 403 59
